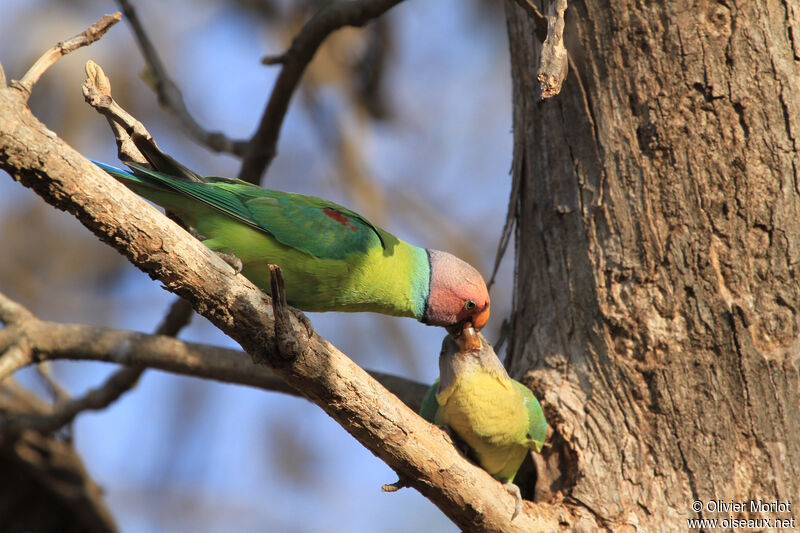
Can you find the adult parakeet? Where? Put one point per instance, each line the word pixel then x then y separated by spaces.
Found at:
pixel 497 417
pixel 332 258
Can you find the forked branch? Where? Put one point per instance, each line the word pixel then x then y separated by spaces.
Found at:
pixel 416 450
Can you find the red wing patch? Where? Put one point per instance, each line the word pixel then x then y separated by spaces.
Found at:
pixel 340 218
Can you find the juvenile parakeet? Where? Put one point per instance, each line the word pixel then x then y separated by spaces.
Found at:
pixel 332 259
pixel 497 417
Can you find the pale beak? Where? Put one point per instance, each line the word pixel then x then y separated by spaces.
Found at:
pixel 480 320
pixel 469 340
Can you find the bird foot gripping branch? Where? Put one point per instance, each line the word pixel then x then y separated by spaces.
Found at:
pixel 287 343
pixel 64 179
pixel 514 491
pixel 234 262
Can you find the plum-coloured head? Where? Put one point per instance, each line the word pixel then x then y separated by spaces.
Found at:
pixel 457 293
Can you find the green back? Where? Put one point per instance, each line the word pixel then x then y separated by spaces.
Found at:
pixel 537 426
pixel 309 224
pixel 332 258
pixel 430 406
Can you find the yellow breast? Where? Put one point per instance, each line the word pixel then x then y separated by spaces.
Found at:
pixel 487 412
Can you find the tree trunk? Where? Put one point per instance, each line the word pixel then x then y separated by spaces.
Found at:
pixel 658 257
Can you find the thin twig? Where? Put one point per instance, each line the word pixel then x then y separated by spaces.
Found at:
pixel 508 226
pixel 57 391
pixel 539 20
pixel 262 147
pixel 97 93
pixel 177 318
pixel 170 96
pixel 394 487
pixel 86 37
pixel 273 59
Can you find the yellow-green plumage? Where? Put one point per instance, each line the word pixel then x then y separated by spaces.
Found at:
pixel 488 414
pixel 497 417
pixel 331 258
pixel 318 283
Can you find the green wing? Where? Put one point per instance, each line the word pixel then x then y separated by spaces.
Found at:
pixel 312 225
pixel 537 426
pixel 429 404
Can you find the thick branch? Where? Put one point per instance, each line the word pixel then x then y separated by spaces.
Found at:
pixel 117 384
pixel 47 341
pixel 263 146
pixel 46 486
pixel 411 446
pixel 416 450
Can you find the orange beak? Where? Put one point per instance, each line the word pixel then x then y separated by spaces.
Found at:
pixel 469 339
pixel 480 320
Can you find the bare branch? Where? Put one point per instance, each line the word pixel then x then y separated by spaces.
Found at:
pixel 120 382
pixel 50 469
pixel 416 450
pixel 52 341
pixel 12 312
pixel 262 148
pixel 65 411
pixel 539 20
pixel 56 390
pixel 553 63
pixel 381 422
pixel 97 93
pixel 97 398
pixel 170 96
pixel 86 37
pixel 14 358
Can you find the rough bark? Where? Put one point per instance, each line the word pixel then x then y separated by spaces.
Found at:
pixel 658 308
pixel 46 488
pixel 420 454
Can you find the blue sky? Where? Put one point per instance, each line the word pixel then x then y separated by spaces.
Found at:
pixel 178 454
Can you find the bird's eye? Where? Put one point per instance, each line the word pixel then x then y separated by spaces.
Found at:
pixel 469 305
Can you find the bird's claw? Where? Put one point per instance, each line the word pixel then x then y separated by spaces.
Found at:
pixel 394 487
pixel 234 262
pixel 307 323
pixel 514 491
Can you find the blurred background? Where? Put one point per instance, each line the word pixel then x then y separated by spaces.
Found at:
pixel 407 121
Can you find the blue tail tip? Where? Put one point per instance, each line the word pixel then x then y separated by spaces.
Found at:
pixel 110 168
